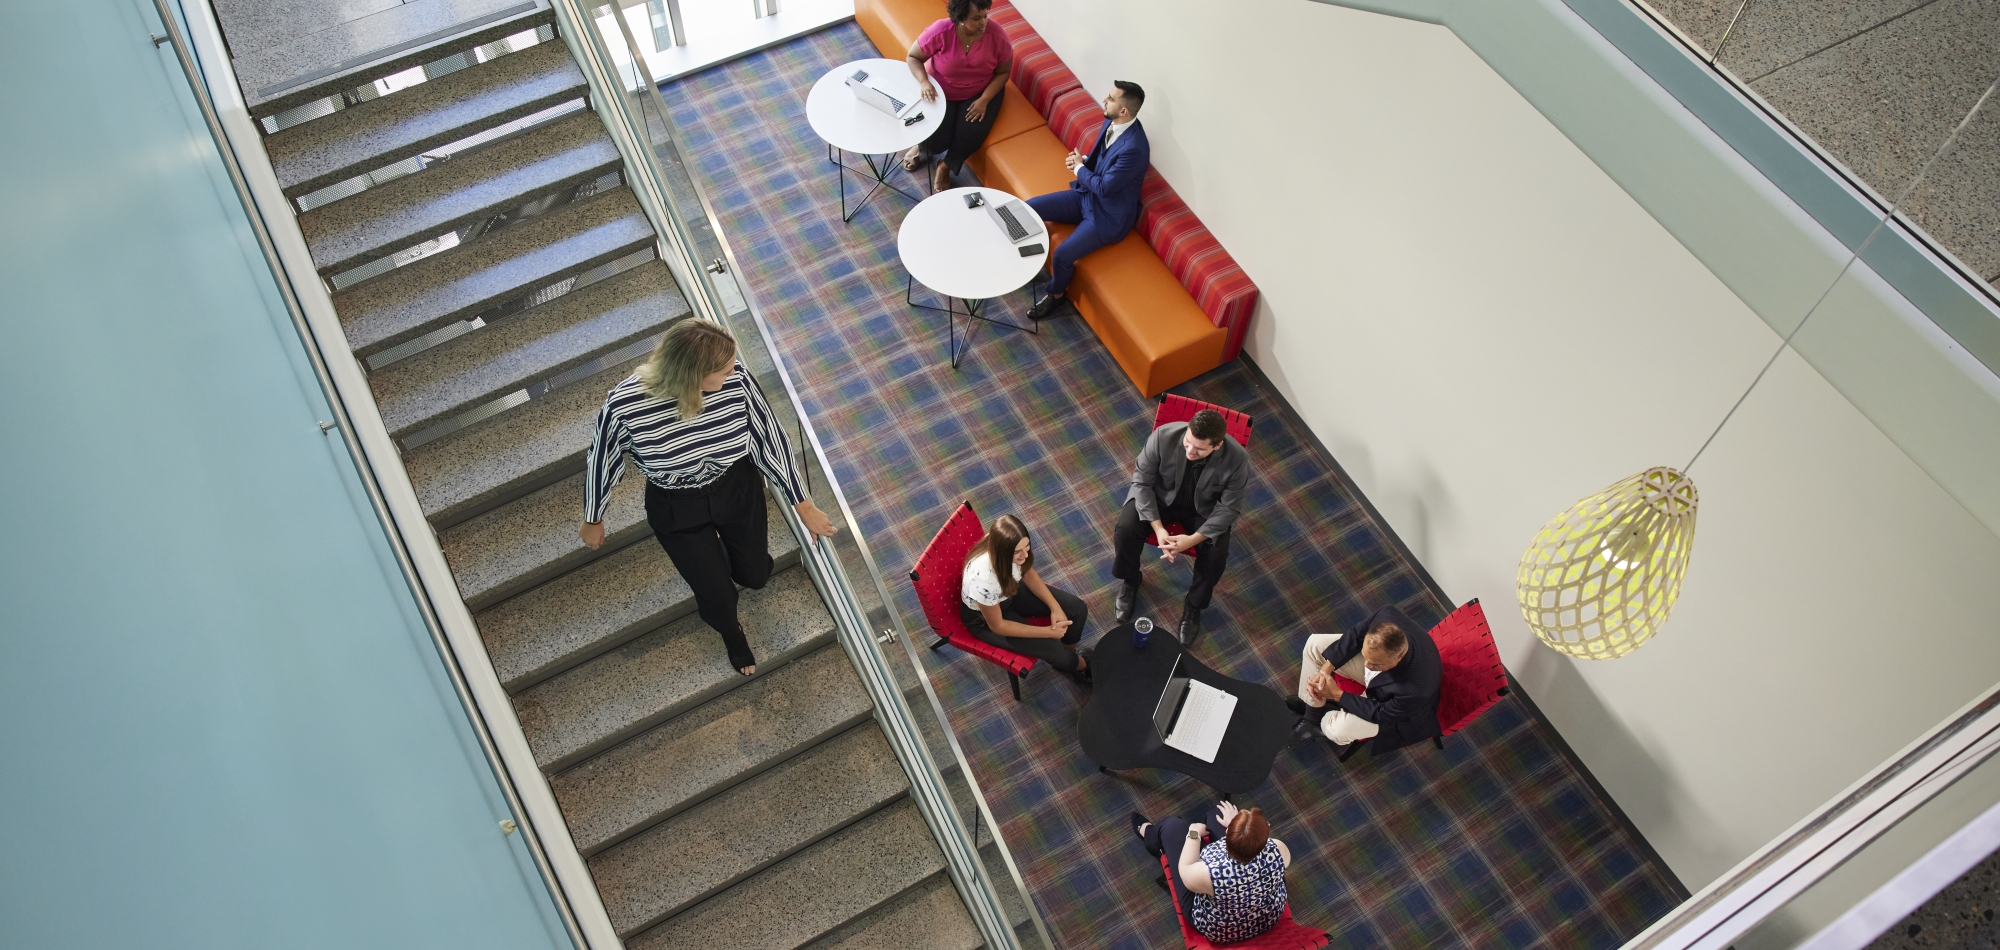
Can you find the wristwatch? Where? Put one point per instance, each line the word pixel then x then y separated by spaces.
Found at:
pixel 1194 835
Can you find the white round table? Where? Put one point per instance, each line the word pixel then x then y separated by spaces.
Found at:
pixel 850 125
pixel 960 253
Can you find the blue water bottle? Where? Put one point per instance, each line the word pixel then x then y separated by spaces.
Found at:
pixel 1142 633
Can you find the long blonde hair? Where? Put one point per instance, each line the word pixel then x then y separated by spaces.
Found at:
pixel 690 350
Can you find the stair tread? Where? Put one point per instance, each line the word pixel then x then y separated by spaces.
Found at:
pixel 417 298
pixel 533 539
pixel 655 874
pixel 317 61
pixel 755 726
pixel 489 362
pixel 386 219
pixel 665 672
pixel 388 129
pixel 468 470
pixel 931 908
pixel 810 893
pixel 551 628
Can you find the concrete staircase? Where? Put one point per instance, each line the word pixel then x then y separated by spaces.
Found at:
pixel 714 811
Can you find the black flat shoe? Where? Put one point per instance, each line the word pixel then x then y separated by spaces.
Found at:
pixel 1298 705
pixel 1305 730
pixel 1190 627
pixel 1047 308
pixel 1128 599
pixel 1137 821
pixel 746 660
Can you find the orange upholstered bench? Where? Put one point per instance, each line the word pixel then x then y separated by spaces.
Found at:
pixel 1167 301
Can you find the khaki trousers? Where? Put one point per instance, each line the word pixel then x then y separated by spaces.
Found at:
pixel 1338 725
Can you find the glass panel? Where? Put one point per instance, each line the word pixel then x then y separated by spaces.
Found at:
pixel 1960 801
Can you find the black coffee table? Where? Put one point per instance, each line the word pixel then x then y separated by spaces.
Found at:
pixel 1117 731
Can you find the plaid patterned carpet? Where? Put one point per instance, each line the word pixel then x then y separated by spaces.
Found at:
pixel 1494 842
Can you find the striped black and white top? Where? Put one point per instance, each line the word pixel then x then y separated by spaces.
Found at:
pixel 734 422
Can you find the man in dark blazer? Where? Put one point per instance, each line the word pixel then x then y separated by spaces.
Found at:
pixel 1194 475
pixel 1398 665
pixel 1103 201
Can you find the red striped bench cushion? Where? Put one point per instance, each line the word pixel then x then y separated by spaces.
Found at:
pixel 1076 120
pixel 1037 70
pixel 1197 260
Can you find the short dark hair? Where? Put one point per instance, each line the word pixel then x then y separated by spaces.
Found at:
pixel 1245 836
pixel 1130 92
pixel 1390 636
pixel 1207 425
pixel 958 10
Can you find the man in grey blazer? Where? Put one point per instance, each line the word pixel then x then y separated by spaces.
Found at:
pixel 1191 474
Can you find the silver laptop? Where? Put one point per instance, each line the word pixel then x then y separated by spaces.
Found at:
pixel 1013 218
pixel 1192 716
pixel 876 97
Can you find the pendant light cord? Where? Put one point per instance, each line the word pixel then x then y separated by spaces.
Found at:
pixel 1879 225
pixel 1731 28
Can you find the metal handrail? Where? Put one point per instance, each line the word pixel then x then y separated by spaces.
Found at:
pixel 211 80
pixel 1780 871
pixel 822 563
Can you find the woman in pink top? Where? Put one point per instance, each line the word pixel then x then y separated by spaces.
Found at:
pixel 968 56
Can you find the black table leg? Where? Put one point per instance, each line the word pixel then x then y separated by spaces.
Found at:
pixel 877 172
pixel 952 313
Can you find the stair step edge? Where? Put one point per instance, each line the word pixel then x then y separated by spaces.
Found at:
pixel 272 98
pixel 561 731
pixel 365 137
pixel 537 261
pixel 838 782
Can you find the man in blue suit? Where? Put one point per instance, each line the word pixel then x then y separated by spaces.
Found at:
pixel 1103 201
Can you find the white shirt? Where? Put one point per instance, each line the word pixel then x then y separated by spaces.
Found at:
pixel 981 585
pixel 1368 678
pixel 1117 129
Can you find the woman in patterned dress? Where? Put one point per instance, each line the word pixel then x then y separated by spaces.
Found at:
pixel 1233 888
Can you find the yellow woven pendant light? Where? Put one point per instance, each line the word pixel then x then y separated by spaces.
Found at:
pixel 1600 578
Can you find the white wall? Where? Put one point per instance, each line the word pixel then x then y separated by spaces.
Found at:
pixel 1484 327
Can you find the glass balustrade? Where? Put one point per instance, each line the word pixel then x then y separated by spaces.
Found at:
pixel 677 37
pixel 851 582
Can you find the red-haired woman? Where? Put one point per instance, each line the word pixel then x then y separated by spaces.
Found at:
pixel 995 602
pixel 1232 888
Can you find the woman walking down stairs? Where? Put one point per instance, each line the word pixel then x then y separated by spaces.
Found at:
pixel 496 277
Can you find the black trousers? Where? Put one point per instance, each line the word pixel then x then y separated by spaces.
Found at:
pixel 717 536
pixel 1019 608
pixel 1169 836
pixel 957 138
pixel 1130 539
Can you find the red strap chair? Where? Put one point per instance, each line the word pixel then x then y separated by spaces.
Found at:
pixel 1287 935
pixel 938 576
pixel 1473 678
pixel 1180 409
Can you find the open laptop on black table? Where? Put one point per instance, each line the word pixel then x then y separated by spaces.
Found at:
pixel 1120 726
pixel 1191 715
